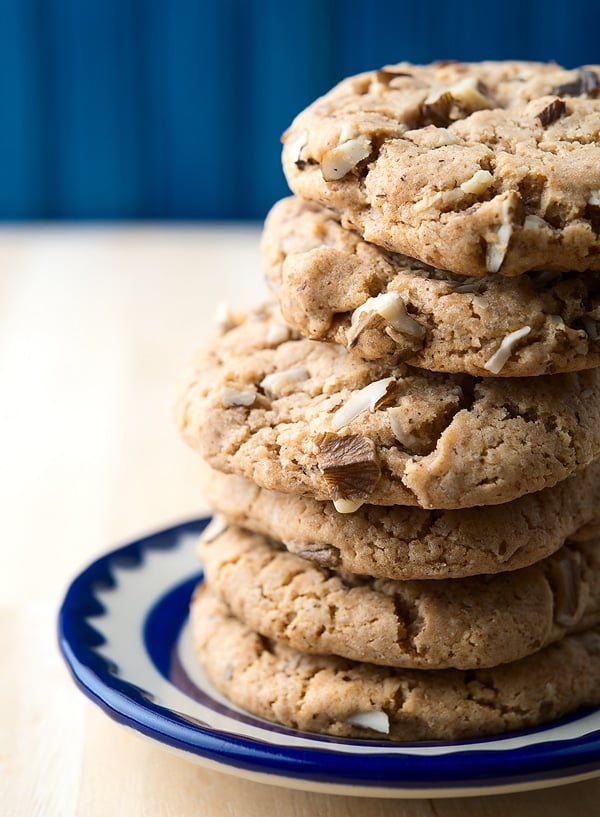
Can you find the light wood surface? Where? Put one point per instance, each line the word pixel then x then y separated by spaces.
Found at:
pixel 95 325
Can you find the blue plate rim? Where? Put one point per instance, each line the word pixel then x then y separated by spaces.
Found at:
pixel 125 703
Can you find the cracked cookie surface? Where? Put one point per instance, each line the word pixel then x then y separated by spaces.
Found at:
pixel 340 697
pixel 332 285
pixel 409 542
pixel 481 621
pixel 306 417
pixel 476 168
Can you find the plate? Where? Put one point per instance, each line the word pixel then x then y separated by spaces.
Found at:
pixel 123 631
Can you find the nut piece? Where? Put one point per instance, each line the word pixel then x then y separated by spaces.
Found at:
pixel 594 198
pixel 535 223
pixel 369 397
pixel 277 334
pixel 214 529
pixel 496 363
pixel 347 505
pixel 349 466
pixel 278 382
pixel 392 309
pixel 587 82
pixel 236 397
pixel 439 199
pixel 431 137
pixel 552 112
pixel 495 252
pixel 449 104
pixel 340 160
pixel 378 721
pixel 297 145
pixel 478 183
pixel 565 579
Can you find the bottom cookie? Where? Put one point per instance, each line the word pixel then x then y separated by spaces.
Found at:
pixel 344 698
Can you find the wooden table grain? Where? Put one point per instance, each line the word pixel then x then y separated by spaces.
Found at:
pixel 95 325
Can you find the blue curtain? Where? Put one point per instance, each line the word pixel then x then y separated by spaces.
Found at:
pixel 173 109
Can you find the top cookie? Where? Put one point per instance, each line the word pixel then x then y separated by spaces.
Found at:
pixel 475 168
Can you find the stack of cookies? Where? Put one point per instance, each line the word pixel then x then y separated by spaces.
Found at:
pixel 403 448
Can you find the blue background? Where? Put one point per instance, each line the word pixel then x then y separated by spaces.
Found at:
pixel 173 109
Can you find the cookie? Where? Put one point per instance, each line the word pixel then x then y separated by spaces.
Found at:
pixel 412 543
pixel 306 417
pixel 477 168
pixel 339 697
pixel 481 621
pixel 332 285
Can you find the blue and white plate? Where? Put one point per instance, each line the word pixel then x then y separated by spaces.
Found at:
pixel 123 632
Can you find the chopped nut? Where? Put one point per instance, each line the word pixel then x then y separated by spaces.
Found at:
pixel 552 112
pixel 224 317
pixel 497 361
pixel 557 323
pixel 349 466
pixel 278 382
pixel 594 198
pixel 587 82
pixel 471 94
pixel 340 160
pixel 478 183
pixel 565 579
pixel 535 223
pixel 441 198
pixel 436 109
pixel 392 309
pixel 367 320
pixel 347 505
pixel 215 528
pixel 326 555
pixel 377 721
pixel 403 433
pixel 297 145
pixel 369 397
pixel 463 97
pixel 277 334
pixel 236 397
pixel 386 75
pixel 431 136
pixel 497 251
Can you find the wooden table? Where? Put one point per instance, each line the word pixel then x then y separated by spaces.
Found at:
pixel 95 325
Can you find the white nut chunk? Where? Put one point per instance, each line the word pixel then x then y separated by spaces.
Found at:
pixel 466 93
pixel 392 309
pixel 594 198
pixel 478 183
pixel 368 397
pixel 277 334
pixel 231 396
pixel 340 160
pixel 347 505
pixel 497 361
pixel 441 198
pixel 217 525
pixel 496 252
pixel 297 144
pixel 378 721
pixel 533 222
pixel 277 382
